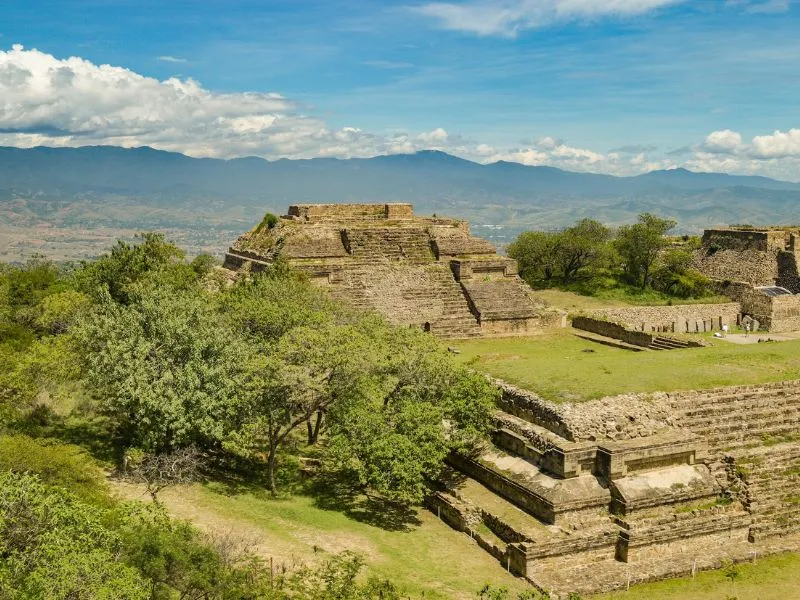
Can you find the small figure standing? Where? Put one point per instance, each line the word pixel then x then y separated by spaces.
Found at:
pixel 747 329
pixel 724 331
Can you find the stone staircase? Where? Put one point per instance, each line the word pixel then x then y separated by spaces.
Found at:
pixel 379 244
pixel 501 299
pixel 667 343
pixel 588 516
pixel 739 417
pixel 420 294
pixel 771 488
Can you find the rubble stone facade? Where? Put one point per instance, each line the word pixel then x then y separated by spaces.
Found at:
pixel 427 272
pixel 596 496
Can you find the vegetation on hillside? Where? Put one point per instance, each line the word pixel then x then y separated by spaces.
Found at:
pixel 636 262
pixel 166 371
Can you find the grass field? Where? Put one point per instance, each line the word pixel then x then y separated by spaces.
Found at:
pixel 416 550
pixel 561 366
pixel 611 298
pixel 772 578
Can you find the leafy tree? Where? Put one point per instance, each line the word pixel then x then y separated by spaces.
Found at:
pixel 535 253
pixel 164 368
pixel 53 546
pixel 676 276
pixel 127 264
pixel 268 305
pixel 640 244
pixel 543 255
pixel 580 246
pixel 56 464
pixel 310 369
pixel 419 406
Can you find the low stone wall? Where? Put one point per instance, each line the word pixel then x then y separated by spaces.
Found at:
pixel 312 212
pixel 613 330
pixel 679 318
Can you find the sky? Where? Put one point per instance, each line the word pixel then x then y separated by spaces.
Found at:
pixel 608 86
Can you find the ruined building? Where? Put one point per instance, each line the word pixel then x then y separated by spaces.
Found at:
pixel 598 495
pixel 422 271
pixel 757 267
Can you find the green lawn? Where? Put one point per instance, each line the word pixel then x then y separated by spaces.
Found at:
pixel 561 366
pixel 421 554
pixel 772 578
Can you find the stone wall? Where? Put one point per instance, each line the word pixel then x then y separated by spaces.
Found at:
pixel 740 240
pixel 314 212
pixel 673 318
pixel 778 314
pixel 613 330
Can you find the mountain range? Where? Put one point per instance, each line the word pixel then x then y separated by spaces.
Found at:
pixel 143 188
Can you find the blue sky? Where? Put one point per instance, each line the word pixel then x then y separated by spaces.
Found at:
pixel 619 86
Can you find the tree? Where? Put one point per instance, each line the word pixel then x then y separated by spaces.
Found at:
pixel 580 246
pixel 535 253
pixel 160 471
pixel 395 435
pixel 640 244
pixel 53 546
pixel 309 369
pixel 676 276
pixel 166 369
pixel 126 264
pixel 542 255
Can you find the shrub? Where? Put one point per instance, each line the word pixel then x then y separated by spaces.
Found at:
pixel 62 465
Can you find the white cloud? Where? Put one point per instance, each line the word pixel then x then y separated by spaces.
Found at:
pixel 73 102
pixel 722 142
pixel 762 6
pixel 777 145
pixel 172 59
pixel 509 17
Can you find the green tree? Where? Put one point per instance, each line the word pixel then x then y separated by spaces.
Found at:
pixel 165 368
pixel 535 253
pixel 580 246
pixel 543 255
pixel 126 264
pixel 639 246
pixel 418 406
pixel 52 546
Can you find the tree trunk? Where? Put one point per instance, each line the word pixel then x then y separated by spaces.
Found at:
pixel 271 459
pixel 314 435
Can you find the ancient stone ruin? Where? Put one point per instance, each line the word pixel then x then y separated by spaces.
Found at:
pixel 758 268
pixel 599 495
pixel 427 272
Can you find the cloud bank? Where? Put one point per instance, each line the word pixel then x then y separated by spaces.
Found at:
pixel 47 101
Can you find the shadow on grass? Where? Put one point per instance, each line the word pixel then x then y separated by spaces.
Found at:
pixel 334 492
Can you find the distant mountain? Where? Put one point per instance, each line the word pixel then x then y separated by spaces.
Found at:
pixel 140 188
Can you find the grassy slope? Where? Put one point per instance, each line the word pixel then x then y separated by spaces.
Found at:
pixel 558 366
pixel 422 555
pixel 772 578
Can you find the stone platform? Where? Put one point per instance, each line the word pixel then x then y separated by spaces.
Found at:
pixel 600 495
pixel 426 272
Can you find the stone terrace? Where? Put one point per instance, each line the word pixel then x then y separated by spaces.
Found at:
pixel 426 272
pixel 595 496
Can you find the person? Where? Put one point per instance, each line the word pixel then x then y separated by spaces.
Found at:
pixel 724 331
pixel 747 329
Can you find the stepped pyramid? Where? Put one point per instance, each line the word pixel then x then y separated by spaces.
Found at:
pixel 599 495
pixel 427 272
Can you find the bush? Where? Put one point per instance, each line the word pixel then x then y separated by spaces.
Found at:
pixel 62 465
pixel 268 222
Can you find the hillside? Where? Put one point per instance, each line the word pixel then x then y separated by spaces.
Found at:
pixel 94 194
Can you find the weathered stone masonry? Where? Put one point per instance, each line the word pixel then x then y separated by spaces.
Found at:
pixel 594 496
pixel 423 271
